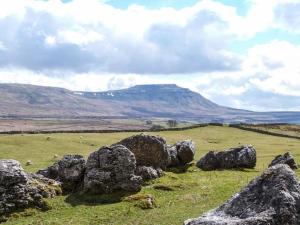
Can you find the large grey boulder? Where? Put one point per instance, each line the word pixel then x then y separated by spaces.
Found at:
pixel 286 158
pixel 240 157
pixel 110 169
pixel 69 171
pixel 19 190
pixel 271 199
pixel 148 150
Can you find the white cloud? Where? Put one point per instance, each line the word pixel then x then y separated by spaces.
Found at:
pixel 50 40
pixel 94 46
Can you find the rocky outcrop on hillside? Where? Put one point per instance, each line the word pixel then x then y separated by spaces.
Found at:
pixel 287 159
pixel 271 199
pixel 123 166
pixel 120 167
pixel 20 190
pixel 240 157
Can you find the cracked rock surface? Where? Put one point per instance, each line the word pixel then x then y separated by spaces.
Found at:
pixel 271 199
pixel 20 190
pixel 110 169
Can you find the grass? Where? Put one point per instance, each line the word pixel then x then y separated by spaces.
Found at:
pixel 178 195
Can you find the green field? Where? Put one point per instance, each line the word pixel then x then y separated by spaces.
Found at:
pixel 194 193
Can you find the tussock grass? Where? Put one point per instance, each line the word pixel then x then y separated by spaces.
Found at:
pixel 193 191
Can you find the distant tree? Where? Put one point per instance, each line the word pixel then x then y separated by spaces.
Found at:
pixel 148 122
pixel 172 123
pixel 157 127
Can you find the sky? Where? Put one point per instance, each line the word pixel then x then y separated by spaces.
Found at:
pixel 242 54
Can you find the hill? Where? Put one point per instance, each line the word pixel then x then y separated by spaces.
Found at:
pixel 141 101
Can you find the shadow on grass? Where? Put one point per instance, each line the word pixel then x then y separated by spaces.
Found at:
pixel 180 169
pixel 75 199
pixel 245 170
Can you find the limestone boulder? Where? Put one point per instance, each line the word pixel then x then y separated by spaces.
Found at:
pixel 240 157
pixel 111 169
pixel 20 190
pixel 271 199
pixel 149 150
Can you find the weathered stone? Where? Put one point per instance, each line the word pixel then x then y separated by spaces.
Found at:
pixel 286 158
pixel 19 190
pixel 148 150
pixel 110 169
pixel 51 172
pixel 71 171
pixel 148 172
pixel 241 157
pixel 271 199
pixel 185 151
pixel 173 158
pixel 11 173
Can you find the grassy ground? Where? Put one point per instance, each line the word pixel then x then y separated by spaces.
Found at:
pixel 194 192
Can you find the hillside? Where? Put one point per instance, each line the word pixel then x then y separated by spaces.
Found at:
pixel 141 101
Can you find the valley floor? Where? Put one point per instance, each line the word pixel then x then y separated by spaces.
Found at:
pixel 194 192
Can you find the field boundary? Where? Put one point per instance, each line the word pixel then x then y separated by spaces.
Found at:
pixel 241 127
pixel 237 126
pixel 108 131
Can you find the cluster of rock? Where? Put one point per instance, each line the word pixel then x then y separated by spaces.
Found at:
pixel 271 199
pixel 20 190
pixel 240 157
pixel 122 166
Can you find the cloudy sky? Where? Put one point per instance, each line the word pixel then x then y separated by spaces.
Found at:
pixel 243 54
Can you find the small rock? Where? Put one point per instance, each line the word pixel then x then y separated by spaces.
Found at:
pixel 29 163
pixel 143 201
pixel 286 158
pixel 148 172
pixel 241 157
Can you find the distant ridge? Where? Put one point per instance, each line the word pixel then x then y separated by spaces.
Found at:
pixel 140 101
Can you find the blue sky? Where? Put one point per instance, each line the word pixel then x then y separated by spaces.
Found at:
pixel 229 51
